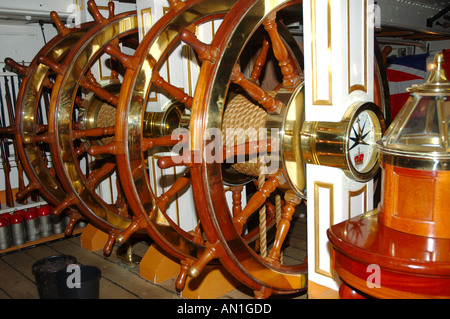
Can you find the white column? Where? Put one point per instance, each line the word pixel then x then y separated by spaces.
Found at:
pixel 338 51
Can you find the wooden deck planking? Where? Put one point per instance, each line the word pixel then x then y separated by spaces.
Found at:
pixel 118 280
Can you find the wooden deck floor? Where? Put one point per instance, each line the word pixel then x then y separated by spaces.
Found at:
pixel 118 281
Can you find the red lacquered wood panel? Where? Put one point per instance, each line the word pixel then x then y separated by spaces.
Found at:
pixel 416 201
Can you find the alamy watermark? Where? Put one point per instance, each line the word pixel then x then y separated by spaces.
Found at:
pixel 74 279
pixel 374 279
pixel 230 146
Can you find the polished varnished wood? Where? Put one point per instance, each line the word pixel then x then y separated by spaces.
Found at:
pixel 416 201
pixel 410 266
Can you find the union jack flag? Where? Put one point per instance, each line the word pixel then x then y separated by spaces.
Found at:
pixel 401 73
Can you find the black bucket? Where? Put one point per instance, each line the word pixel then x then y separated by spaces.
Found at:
pixel 79 282
pixel 45 271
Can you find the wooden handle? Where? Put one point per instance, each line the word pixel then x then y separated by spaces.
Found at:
pixel 22 69
pixel 176 92
pixel 110 148
pixel 100 92
pixel 62 29
pixel 212 251
pixel 58 68
pixel 22 194
pixel 94 132
pixel 179 184
pixel 74 218
pixel 95 12
pixel 180 283
pixel 110 243
pixel 127 60
pixel 204 51
pixel 257 93
pixel 68 201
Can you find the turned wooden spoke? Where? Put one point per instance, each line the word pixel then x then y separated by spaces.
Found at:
pixel 291 201
pixel 62 29
pixel 111 7
pixel 31 187
pixel 99 92
pixel 172 90
pixel 89 76
pixel 211 252
pixel 79 101
pixel 197 234
pixel 205 52
pixel 237 199
pixel 80 150
pixel 22 69
pixel 257 200
pixel 7 130
pixel 128 61
pixel 257 93
pixel 260 61
pixel 190 159
pixel 186 264
pixel 114 74
pixel 56 67
pixel 73 220
pixel 68 201
pixel 45 138
pixel 40 128
pixel 247 149
pixel 179 184
pixel 94 132
pixel 113 148
pixel 135 225
pixel 98 17
pixel 290 76
pixel 97 175
pixel 166 140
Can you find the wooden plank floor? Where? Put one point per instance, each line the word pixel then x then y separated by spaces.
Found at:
pixel 119 281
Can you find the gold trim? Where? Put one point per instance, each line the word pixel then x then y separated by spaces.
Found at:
pixel 100 70
pixel 356 87
pixel 329 186
pixel 155 183
pixel 143 12
pixel 79 4
pixel 314 59
pixel 351 194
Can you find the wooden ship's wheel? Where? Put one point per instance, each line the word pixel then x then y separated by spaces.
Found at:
pixel 82 113
pixel 31 112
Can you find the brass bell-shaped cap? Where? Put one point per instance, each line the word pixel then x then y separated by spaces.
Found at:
pixel 437 81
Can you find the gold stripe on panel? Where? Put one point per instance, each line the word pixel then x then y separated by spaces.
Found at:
pixel 143 13
pixel 356 194
pixel 315 58
pixel 317 200
pixel 362 86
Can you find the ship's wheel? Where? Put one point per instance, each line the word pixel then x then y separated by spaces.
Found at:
pixel 31 125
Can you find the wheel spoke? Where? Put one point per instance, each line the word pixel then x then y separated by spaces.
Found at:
pixel 258 94
pixel 260 62
pixel 172 90
pixel 291 201
pixel 205 52
pixel 257 200
pixel 290 77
